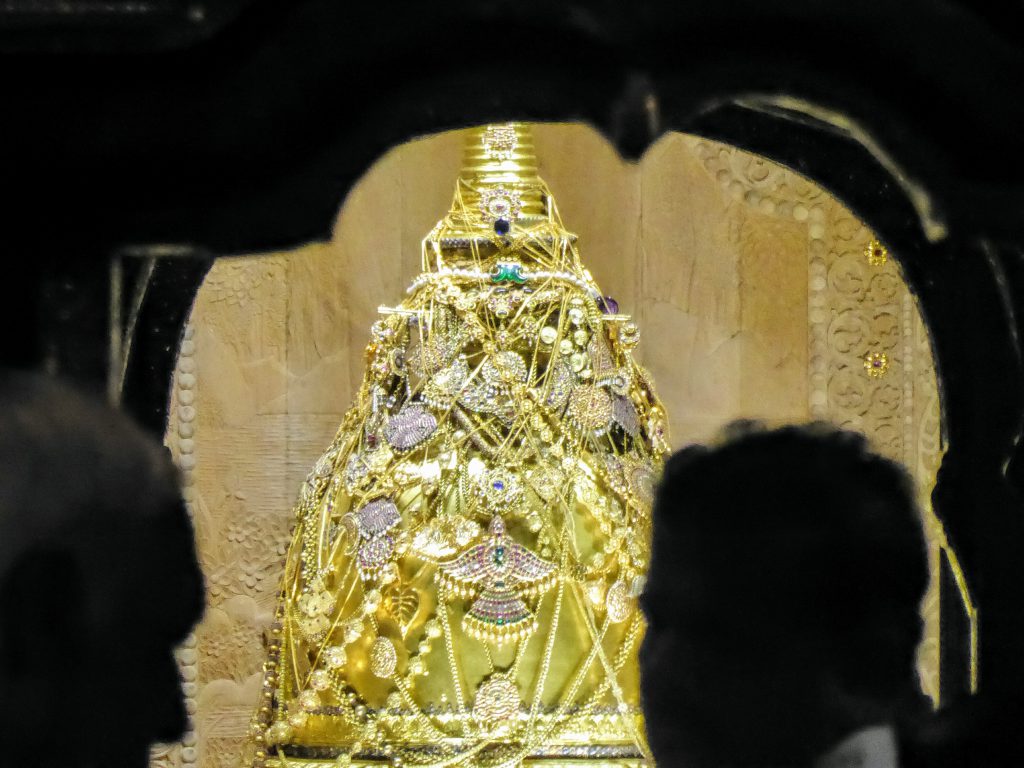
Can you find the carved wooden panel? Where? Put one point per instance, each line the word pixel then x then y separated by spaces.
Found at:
pixel 750 285
pixel 857 305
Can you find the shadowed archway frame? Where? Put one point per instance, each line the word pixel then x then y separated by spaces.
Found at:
pixel 244 132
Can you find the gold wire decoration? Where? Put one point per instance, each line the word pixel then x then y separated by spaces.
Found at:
pixel 460 588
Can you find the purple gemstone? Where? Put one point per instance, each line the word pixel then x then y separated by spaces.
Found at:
pixel 499 486
pixel 608 305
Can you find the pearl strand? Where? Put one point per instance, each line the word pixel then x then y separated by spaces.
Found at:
pixel 476 274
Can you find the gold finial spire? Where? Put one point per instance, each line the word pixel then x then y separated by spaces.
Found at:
pixel 500 203
pixel 502 157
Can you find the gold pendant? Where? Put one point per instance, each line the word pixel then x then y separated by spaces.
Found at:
pixel 498 572
pixel 383 657
pixel 497 700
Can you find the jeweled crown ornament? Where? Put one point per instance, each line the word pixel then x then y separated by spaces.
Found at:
pixel 461 585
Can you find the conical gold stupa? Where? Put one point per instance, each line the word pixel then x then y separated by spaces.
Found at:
pixel 461 586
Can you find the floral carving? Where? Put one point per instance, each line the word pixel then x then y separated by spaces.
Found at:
pixel 856 305
pixel 238 282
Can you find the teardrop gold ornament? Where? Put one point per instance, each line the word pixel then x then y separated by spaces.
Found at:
pixel 383 657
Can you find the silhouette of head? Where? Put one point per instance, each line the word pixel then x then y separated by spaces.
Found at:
pixel 98 582
pixel 783 597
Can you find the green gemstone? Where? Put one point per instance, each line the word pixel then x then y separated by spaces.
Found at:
pixel 508 273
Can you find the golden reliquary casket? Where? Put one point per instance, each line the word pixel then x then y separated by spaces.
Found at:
pixel 461 584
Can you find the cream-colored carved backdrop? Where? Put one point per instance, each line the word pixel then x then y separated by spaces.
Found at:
pixel 750 285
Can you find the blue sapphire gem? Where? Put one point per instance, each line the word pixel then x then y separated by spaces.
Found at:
pixel 499 486
pixel 502 226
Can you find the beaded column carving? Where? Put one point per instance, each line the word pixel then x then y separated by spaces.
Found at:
pixel 181 441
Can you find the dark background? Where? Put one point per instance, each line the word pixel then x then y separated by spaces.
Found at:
pixel 140 138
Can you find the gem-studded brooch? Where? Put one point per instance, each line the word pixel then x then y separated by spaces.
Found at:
pixel 499 573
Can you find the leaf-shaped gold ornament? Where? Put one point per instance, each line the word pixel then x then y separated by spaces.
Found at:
pixel 402 602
